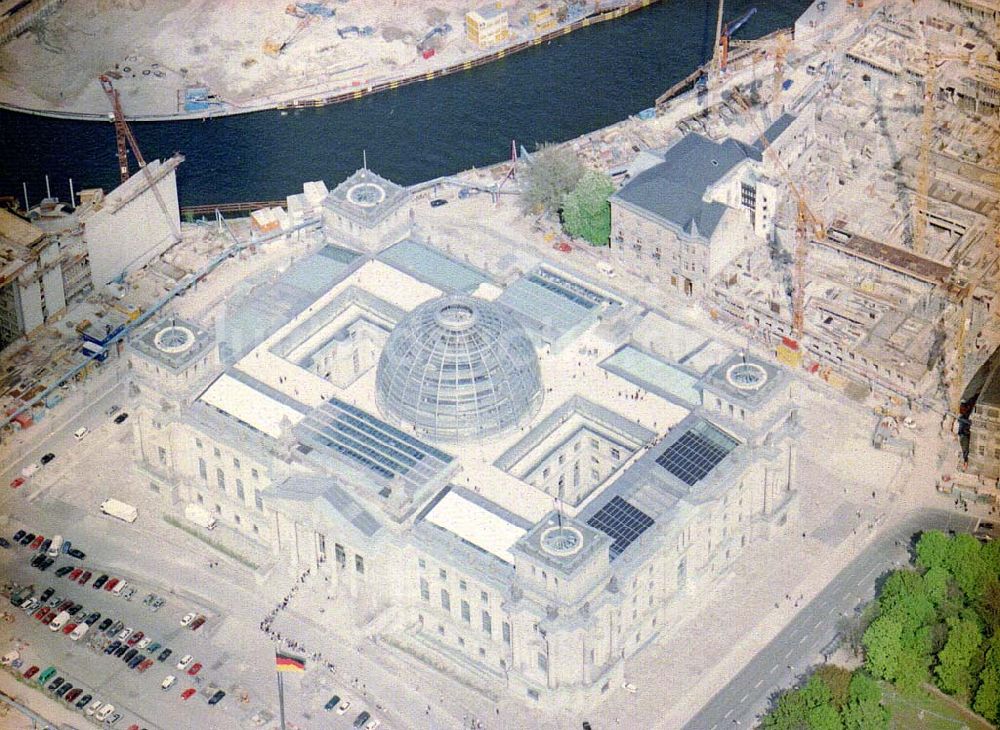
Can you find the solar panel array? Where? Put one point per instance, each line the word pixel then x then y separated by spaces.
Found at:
pixel 699 450
pixel 622 522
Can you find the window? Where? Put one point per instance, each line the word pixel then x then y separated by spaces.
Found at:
pixel 340 555
pixel 217 452
pixel 220 477
pixel 256 530
pixel 445 600
pixel 595 444
pixel 238 520
pixel 218 509
pixel 487 623
pixel 616 454
pixel 240 494
pixel 443 574
pixel 506 632
pixel 236 463
pixel 162 453
pixel 543 662
pixel 461 641
pixel 441 629
pixel 254 474
pixel 545 473
pixel 421 562
pixel 202 469
pixel 466 615
pixel 462 584
pixel 154 487
pixel 482 652
pixel 595 475
pixel 484 596
pixel 562 458
pixel 197 442
pixel 258 499
pixel 359 564
pixel 201 500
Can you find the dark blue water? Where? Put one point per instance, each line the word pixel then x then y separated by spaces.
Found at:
pixel 557 91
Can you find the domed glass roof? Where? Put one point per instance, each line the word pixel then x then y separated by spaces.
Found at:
pixel 458 368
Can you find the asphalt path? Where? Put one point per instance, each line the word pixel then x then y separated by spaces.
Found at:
pixel 800 643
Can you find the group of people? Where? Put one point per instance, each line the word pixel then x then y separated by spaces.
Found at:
pixel 267 622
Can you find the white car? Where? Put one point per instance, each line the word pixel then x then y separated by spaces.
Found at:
pixel 185 660
pixel 344 707
pixel 144 643
pixel 102 714
pixel 79 435
pixel 188 618
pixel 168 682
pixel 374 723
pixel 117 590
pixel 125 633
pixel 629 687
pixel 29 471
pixel 93 707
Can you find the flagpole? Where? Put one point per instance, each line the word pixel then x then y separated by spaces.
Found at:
pixel 281 698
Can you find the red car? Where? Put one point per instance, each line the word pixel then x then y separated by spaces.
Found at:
pixel 75 573
pixel 133 726
pixel 146 664
pixel 47 619
pixel 195 668
pixel 563 247
pixel 17 482
pixel 135 638
pixel 63 606
pixel 68 628
pixel 85 577
pixel 40 613
pixel 187 694
pixel 110 584
pixel 197 623
pixel 32 671
pixel 37 542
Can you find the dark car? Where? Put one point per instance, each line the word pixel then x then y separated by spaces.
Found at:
pixel 82 702
pixel 64 689
pixel 78 554
pixel 92 618
pixel 56 684
pixel 44 547
pixel 129 654
pixel 28 539
pixel 105 624
pixel 121 417
pixel 46 594
pixel 122 650
pixel 46 564
pixel 65 570
pixel 136 661
pixel 73 694
pixel 19 535
pixel 4 542
pixel 116 627
pixel 100 581
pixel 217 698
pixel 112 647
pixel 362 718
pixel 164 655
pixel 85 577
pixel 153 648
pixel 197 623
pixel 332 703
pixel 67 544
pixel 438 202
pixel 47 458
pixel 37 560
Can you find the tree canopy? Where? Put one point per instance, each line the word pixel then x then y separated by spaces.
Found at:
pixel 586 212
pixel 553 172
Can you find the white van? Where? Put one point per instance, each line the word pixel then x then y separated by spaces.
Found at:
pixel 80 433
pixel 56 547
pixel 119 587
pixel 59 621
pixel 78 633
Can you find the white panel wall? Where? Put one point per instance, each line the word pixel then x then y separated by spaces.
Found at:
pixel 55 296
pixel 129 238
pixel 31 305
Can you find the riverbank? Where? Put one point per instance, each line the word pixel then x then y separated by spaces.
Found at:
pixel 52 70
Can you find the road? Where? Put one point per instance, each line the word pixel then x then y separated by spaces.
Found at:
pixel 798 645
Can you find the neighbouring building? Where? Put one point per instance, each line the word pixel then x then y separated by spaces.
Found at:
pixel 487 26
pixel 984 434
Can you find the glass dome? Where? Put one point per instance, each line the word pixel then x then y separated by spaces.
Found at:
pixel 458 368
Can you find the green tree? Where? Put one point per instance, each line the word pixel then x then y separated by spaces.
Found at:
pixel 932 549
pixel 956 659
pixel 987 702
pixel 552 173
pixel 965 562
pixel 586 211
pixel 838 681
pixel 883 645
pixel 936 585
pixel 824 717
pixel 988 605
pixel 864 710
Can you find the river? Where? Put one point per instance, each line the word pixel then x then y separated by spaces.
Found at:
pixel 583 81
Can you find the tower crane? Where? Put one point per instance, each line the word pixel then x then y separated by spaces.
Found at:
pixel 123 136
pixel 727 31
pixel 780 51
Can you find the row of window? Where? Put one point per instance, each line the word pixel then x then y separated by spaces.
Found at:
pixel 462 583
pixel 217 508
pixel 254 473
pixel 220 480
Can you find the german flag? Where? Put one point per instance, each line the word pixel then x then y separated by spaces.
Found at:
pixel 289 662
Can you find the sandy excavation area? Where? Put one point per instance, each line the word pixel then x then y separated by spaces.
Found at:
pixel 163 47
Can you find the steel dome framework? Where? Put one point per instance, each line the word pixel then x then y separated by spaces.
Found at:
pixel 459 368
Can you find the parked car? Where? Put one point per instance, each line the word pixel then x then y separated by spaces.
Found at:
pixel 168 682
pixel 17 482
pixel 102 714
pixel 112 647
pixel 111 583
pixel 82 702
pixel 129 654
pixel 63 689
pixel 164 655
pixel 67 544
pixel 362 718
pixel 56 684
pixel 121 418
pixel 18 536
pixel 144 641
pixel 46 458
pixel 115 717
pixel 78 554
pixel 332 703
pixel 27 539
pixel 29 471
pixel 81 433
pixel 46 594
pixel 85 577
pixel 344 707
pixel 37 542
pixel 105 624
pixel 113 410
pixel 65 570
pixel 44 547
pixel 46 675
pixel 100 581
pixel 157 603
pixel 75 573
pixel 32 671
pixel 46 564
pixel 146 664
pixel 216 698
pixel 135 638
pixel 73 694
pixel 4 542
pixel 121 650
pixel 186 694
pixel 92 618
pixel 93 707
pixel 187 619
pixel 136 661
pixel 195 668
pixel 197 623
pixel 125 633
pixel 438 202
pixel 128 593
pixel 154 647
pixel 184 661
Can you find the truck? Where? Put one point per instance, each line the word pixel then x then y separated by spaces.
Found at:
pixel 21 595
pixel 55 547
pixel 199 516
pixel 119 510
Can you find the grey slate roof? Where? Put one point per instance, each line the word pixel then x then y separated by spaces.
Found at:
pixel 672 191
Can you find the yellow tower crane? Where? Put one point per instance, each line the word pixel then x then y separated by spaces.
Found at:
pixel 781 47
